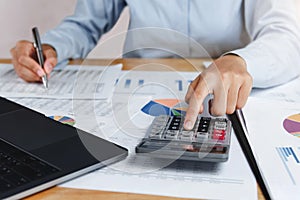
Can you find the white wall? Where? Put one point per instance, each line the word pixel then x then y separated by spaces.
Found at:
pixel 17 17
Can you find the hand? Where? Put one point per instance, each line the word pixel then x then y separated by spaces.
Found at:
pixel 25 64
pixel 230 83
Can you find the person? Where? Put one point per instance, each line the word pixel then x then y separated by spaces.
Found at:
pixel 255 43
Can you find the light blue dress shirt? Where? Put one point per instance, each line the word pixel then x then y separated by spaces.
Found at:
pixel 263 32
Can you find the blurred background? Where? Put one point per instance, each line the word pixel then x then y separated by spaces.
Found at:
pixel 19 16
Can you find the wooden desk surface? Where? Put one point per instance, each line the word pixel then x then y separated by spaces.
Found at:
pixel 136 64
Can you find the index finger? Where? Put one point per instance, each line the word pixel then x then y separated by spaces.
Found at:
pixel 195 102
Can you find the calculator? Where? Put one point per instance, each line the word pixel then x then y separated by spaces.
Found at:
pixel 209 140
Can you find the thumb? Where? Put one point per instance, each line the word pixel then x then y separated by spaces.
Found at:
pixel 50 58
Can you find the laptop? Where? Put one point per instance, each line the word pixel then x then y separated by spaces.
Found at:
pixel 37 152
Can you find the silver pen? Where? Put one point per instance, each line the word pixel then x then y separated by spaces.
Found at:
pixel 39 52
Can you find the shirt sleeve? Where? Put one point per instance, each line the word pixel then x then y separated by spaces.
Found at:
pixel 273 56
pixel 78 34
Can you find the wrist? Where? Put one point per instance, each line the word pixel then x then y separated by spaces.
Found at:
pixel 48 47
pixel 236 58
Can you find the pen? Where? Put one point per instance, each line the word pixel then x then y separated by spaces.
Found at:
pixel 39 52
pixel 238 124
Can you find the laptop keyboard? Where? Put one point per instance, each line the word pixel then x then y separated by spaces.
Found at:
pixel 18 167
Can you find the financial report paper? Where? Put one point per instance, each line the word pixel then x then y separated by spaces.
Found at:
pixel 137 174
pixel 70 82
pixel 121 121
pixel 288 92
pixel 274 130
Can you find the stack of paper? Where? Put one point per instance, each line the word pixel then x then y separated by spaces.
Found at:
pixel 71 82
pixel 121 120
pixel 274 129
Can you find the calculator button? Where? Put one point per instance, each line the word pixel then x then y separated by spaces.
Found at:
pixel 188 139
pixel 201 136
pixel 220 125
pixel 170 135
pixel 175 124
pixel 205 120
pixel 204 130
pixel 219 148
pixel 218 134
pixel 176 119
pixel 164 117
pixel 187 133
pixel 204 124
pixel 174 128
pixel 156 133
pixel 154 137
pixel 161 119
pixel 158 126
pixel 159 123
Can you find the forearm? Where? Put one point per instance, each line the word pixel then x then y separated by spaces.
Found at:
pixel 78 34
pixel 272 60
pixel 272 56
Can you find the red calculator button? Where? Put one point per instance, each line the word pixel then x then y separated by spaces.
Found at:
pixel 218 134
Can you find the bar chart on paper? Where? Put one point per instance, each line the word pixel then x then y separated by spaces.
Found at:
pixel 274 131
pixel 128 83
pixel 290 156
pixel 159 84
pixel 290 159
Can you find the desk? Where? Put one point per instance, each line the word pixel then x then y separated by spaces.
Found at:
pixel 128 64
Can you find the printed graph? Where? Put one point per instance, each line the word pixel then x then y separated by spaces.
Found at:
pixel 290 159
pixel 292 125
pixel 173 107
pixel 64 120
pixel 178 85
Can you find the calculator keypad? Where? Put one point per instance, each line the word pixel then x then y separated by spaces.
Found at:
pixel 171 128
pixel 209 140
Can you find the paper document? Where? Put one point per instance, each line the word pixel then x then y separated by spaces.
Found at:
pixel 70 82
pixel 88 114
pixel 232 179
pixel 71 107
pixel 288 92
pixel 122 121
pixel 153 83
pixel 274 130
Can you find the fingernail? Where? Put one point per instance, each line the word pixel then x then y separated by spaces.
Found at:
pixel 188 125
pixel 40 73
pixel 48 67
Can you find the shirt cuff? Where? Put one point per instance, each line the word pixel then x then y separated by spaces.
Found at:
pixel 259 66
pixel 57 45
